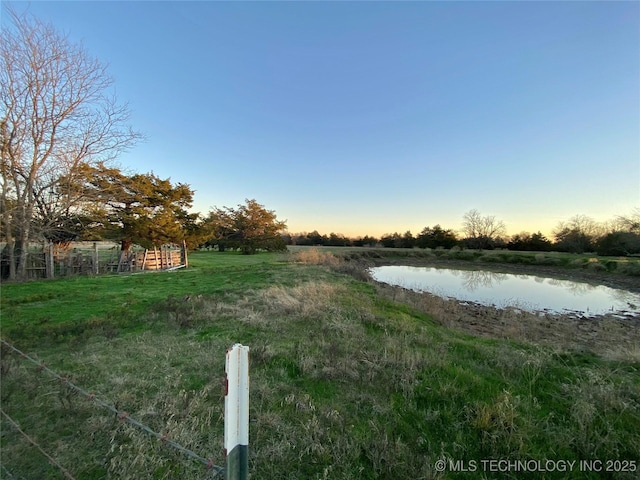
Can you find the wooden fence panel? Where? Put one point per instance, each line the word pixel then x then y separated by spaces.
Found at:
pixel 159 259
pixel 50 261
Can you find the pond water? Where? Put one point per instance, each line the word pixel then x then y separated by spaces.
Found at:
pixel 526 292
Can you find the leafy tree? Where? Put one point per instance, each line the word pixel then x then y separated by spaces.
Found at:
pixel 338 240
pixel 193 232
pixel 287 238
pixel 625 237
pixel 391 240
pixel 407 240
pixel 366 241
pixel 218 230
pixel 525 241
pixel 436 237
pixel 540 243
pixel 298 239
pixel 396 240
pixel 618 244
pixel 140 209
pixel 481 232
pixel 249 227
pixel 314 238
pixel 57 114
pixel 573 241
pixel 309 239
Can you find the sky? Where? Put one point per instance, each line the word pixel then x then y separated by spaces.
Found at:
pixel 361 117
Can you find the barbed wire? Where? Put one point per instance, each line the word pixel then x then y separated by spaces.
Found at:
pixel 120 414
pixel 7 472
pixel 35 444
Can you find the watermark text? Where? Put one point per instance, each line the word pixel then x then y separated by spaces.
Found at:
pixel 547 465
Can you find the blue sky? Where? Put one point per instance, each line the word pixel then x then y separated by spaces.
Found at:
pixel 375 117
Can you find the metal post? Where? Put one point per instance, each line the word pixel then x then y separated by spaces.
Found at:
pixel 236 413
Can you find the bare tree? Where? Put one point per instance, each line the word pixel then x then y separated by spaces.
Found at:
pixel 481 231
pixel 583 224
pixel 630 223
pixel 578 234
pixel 58 112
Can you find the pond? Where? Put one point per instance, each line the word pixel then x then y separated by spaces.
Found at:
pixel 525 292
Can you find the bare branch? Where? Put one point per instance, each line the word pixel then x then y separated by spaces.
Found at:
pixel 58 113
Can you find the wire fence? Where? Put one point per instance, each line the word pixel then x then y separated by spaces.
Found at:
pixel 6 473
pixel 53 461
pixel 120 414
pixel 50 260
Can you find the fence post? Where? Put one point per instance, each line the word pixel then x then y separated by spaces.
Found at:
pixel 95 266
pixel 185 259
pixel 236 413
pixel 48 260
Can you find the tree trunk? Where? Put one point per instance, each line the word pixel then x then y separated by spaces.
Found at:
pixel 22 248
pixel 11 255
pixel 57 113
pixel 8 253
pixel 125 246
pixel 12 260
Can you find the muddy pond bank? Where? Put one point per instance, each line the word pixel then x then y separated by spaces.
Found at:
pixel 608 336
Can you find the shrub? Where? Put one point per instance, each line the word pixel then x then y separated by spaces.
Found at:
pixel 464 254
pixel 596 266
pixel 619 244
pixel 632 269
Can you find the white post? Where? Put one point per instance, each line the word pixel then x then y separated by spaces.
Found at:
pixel 236 413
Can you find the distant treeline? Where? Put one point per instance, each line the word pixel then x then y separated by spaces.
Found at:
pixel 617 242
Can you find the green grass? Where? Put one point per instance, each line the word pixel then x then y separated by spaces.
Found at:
pixel 346 383
pixel 65 305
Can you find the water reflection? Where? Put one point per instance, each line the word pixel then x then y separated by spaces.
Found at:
pixel 474 279
pixel 528 292
pixel 576 288
pixel 628 298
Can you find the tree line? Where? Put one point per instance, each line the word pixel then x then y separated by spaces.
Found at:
pixel 61 128
pixel 579 234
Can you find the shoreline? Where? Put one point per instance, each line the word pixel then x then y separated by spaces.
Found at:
pixel 613 280
pixel 609 336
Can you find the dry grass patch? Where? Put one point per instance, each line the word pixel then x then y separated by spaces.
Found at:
pixel 499 424
pixel 313 256
pixel 309 300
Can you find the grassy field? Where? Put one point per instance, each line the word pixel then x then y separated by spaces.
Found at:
pixel 348 380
